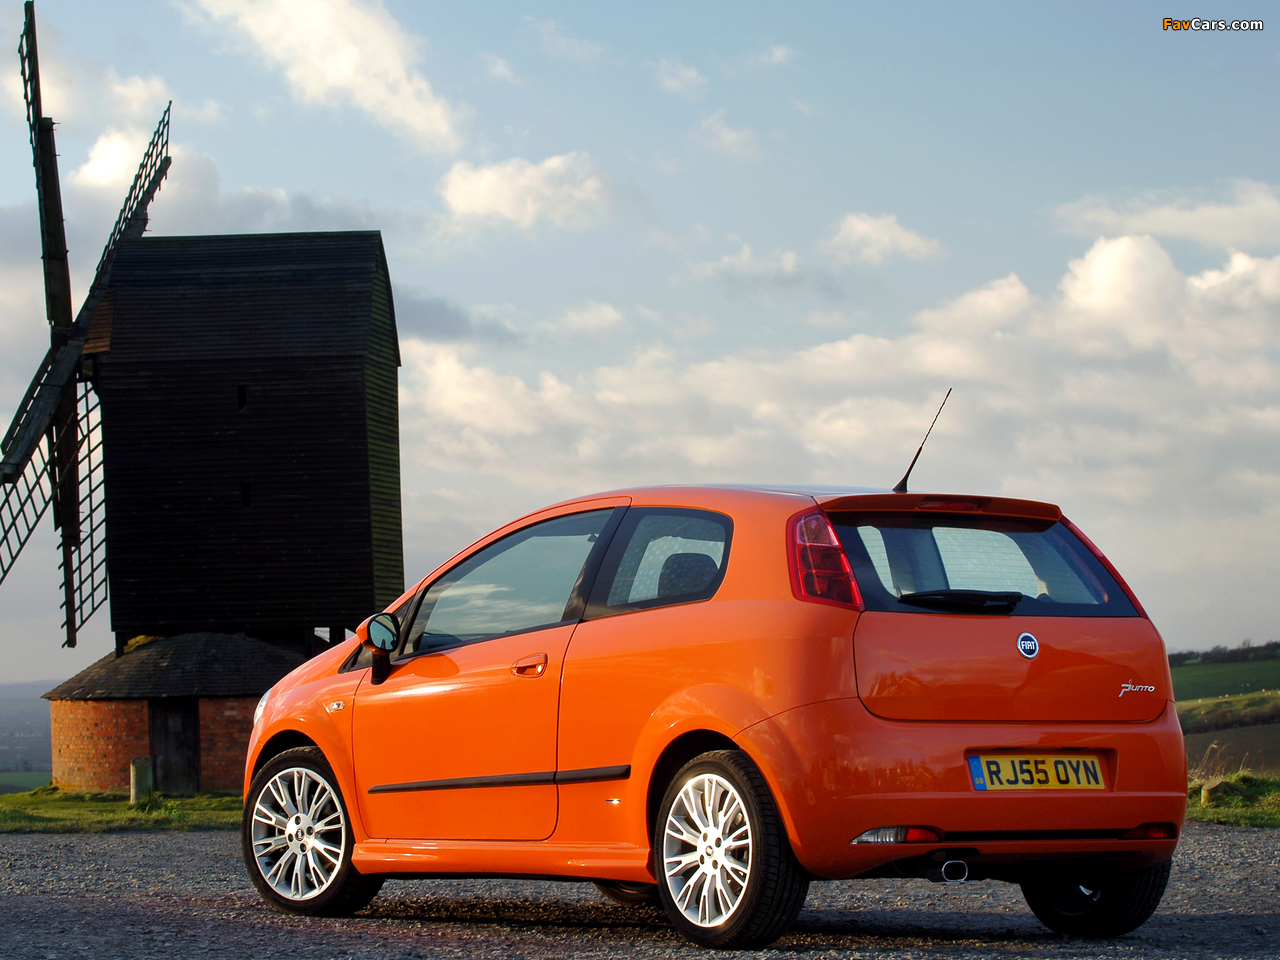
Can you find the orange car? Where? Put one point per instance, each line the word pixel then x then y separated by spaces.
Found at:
pixel 712 696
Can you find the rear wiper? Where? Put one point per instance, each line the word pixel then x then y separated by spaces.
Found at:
pixel 972 601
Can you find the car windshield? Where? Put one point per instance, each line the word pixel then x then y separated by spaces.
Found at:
pixel 908 562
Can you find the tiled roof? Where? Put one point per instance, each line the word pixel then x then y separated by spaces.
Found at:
pixel 188 665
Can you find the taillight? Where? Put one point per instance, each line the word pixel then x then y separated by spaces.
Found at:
pixel 898 835
pixel 1107 564
pixel 820 570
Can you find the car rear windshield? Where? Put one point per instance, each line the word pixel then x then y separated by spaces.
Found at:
pixel 942 563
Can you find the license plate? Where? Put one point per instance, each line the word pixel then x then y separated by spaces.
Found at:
pixel 1036 772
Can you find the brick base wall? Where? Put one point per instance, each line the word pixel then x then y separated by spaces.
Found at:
pixel 225 725
pixel 95 740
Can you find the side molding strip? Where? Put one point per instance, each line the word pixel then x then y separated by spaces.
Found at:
pixel 594 774
pixel 586 775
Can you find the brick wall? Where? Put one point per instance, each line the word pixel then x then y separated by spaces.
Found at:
pixel 225 725
pixel 95 740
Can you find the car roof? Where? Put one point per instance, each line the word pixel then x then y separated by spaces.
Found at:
pixel 835 497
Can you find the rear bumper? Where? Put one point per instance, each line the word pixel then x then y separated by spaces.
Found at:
pixel 837 770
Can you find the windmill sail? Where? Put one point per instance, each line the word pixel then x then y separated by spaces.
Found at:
pixel 52 451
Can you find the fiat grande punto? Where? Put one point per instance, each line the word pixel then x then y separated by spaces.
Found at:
pixel 710 697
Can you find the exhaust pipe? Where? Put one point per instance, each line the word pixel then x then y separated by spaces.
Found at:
pixel 953 871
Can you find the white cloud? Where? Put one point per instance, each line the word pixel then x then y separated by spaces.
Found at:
pixel 568 190
pixel 870 239
pixel 591 318
pixel 558 45
pixel 980 311
pixel 776 55
pixel 1249 217
pixel 667 164
pixel 745 272
pixel 674 76
pixel 344 51
pixel 113 159
pixel 498 68
pixel 715 132
pixel 141 97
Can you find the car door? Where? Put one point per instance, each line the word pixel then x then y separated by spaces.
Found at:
pixel 645 636
pixel 459 742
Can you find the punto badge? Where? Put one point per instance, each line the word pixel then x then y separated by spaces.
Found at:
pixel 1028 645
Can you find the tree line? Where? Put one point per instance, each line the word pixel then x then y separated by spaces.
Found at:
pixel 1247 650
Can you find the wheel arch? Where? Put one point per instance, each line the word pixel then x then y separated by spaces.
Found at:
pixel 677 753
pixel 278 744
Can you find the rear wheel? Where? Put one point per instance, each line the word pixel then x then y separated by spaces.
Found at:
pixel 726 874
pixel 628 894
pixel 297 840
pixel 1098 908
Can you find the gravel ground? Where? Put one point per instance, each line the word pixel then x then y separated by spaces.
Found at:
pixel 185 895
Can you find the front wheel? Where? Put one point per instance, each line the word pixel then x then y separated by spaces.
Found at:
pixel 297 840
pixel 726 874
pixel 1098 908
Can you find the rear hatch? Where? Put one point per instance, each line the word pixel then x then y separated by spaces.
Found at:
pixel 986 609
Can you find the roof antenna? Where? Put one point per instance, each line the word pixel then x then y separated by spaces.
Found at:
pixel 902 484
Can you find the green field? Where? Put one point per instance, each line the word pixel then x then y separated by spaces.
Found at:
pixel 1196 680
pixel 1226 713
pixel 49 810
pixel 21 782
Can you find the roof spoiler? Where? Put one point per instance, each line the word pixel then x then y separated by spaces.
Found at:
pixel 940 503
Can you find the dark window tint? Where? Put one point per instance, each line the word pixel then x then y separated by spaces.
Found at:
pixel 522 582
pixel 661 556
pixel 990 565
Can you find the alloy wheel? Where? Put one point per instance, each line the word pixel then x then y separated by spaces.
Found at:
pixel 299 833
pixel 706 851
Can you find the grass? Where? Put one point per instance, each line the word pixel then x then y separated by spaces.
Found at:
pixel 1198 680
pixel 1223 713
pixel 27 780
pixel 50 810
pixel 1241 799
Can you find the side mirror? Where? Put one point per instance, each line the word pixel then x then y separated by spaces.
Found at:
pixel 384 632
pixel 383 637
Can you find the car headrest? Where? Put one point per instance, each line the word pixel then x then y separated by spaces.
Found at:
pixel 686 573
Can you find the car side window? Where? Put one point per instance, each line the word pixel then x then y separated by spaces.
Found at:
pixel 662 556
pixel 522 582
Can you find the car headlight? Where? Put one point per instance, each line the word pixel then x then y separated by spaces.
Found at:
pixel 262 705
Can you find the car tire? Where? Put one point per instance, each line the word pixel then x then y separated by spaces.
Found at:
pixel 727 876
pixel 627 894
pixel 1112 907
pixel 297 840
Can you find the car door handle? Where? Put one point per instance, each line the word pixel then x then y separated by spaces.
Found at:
pixel 534 665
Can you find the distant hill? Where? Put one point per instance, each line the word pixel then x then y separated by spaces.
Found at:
pixel 25 743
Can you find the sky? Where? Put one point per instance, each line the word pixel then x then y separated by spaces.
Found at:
pixel 730 242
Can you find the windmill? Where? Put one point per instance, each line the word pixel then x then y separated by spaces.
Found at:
pixel 51 455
